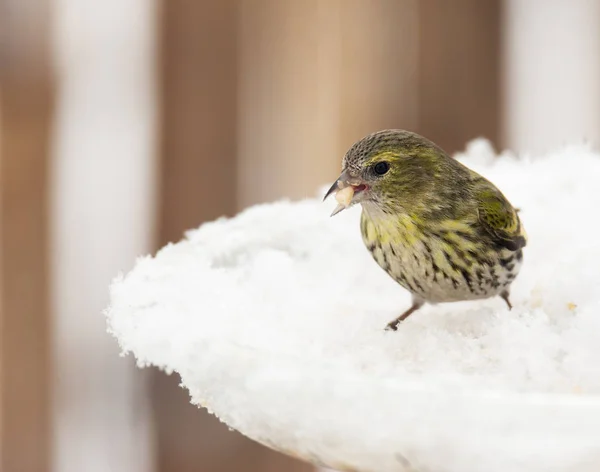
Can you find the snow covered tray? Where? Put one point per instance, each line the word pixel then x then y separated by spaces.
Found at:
pixel 275 321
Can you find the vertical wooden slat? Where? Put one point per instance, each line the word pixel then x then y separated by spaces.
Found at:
pixel 198 94
pixel 459 66
pixel 198 173
pixel 288 98
pixel 378 82
pixel 25 115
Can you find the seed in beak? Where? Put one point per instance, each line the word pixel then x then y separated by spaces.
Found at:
pixel 344 196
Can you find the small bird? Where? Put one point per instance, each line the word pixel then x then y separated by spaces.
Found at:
pixel 439 229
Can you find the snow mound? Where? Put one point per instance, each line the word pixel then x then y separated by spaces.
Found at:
pixel 274 320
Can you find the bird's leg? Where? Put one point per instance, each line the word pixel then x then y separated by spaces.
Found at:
pixel 416 304
pixel 504 295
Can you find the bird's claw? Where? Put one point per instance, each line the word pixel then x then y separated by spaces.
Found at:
pixel 393 326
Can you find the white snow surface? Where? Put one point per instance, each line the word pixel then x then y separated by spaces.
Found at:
pixel 274 320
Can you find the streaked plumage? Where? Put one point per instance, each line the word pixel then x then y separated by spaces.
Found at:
pixel 439 229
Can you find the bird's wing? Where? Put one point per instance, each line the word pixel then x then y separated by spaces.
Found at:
pixel 500 219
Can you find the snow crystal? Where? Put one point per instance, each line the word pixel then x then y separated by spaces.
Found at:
pixel 275 321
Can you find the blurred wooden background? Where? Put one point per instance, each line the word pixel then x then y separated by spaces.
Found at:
pixel 26 104
pixel 123 125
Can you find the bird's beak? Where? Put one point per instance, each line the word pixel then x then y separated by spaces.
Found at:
pixel 346 188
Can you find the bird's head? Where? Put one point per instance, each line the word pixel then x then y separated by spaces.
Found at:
pixel 388 170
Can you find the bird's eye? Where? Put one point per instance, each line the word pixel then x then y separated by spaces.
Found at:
pixel 381 167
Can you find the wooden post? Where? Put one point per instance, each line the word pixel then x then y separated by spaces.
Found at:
pixel 459 71
pixel 25 115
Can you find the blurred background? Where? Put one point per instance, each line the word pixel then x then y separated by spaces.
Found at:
pixel 124 123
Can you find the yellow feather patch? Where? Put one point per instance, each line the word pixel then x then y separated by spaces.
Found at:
pixel 382 156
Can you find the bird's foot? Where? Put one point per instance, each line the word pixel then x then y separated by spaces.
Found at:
pixel 504 295
pixel 393 325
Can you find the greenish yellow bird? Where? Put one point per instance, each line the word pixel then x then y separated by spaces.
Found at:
pixel 439 229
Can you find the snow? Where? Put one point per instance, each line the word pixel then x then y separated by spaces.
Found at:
pixel 274 320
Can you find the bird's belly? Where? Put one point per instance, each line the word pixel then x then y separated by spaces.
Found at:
pixel 436 274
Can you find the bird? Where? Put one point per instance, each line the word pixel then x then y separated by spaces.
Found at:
pixel 439 229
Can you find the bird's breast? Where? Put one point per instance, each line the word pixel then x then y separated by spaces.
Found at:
pixel 445 263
